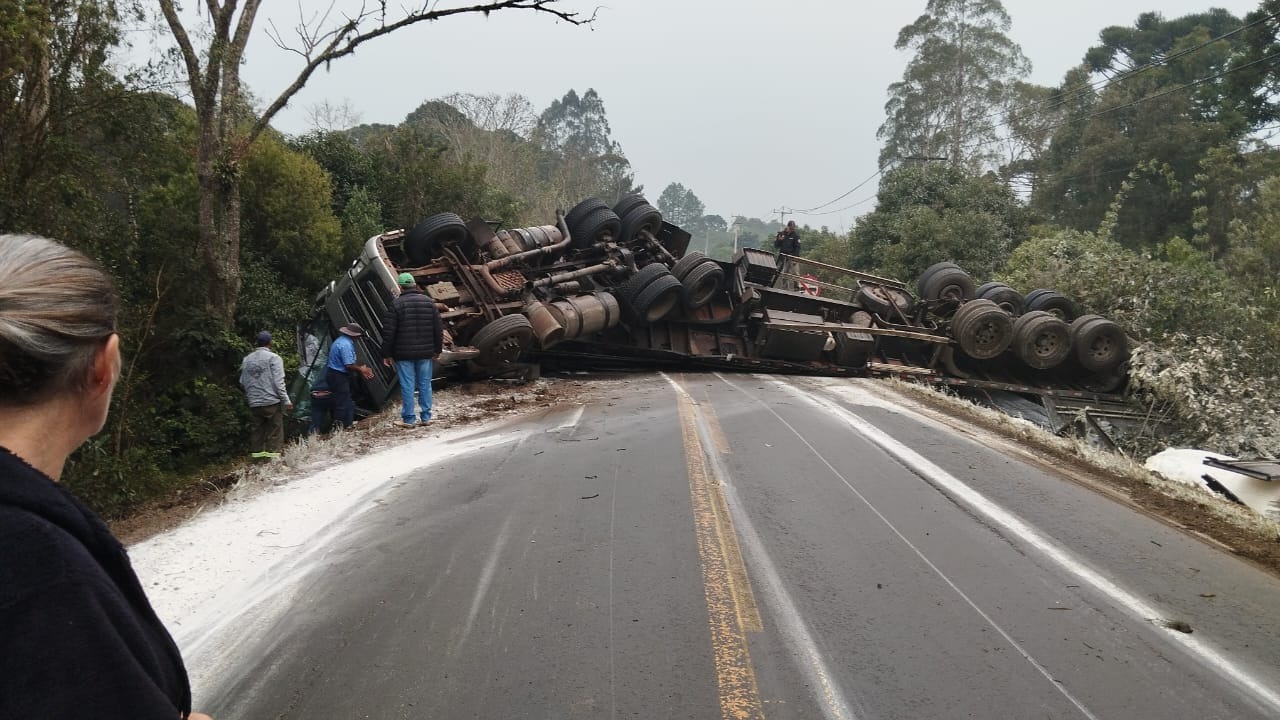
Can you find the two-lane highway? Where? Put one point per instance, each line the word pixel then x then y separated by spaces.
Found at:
pixel 736 546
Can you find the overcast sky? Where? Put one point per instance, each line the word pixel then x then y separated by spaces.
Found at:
pixel 752 104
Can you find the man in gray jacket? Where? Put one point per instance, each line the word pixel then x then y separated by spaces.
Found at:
pixel 263 381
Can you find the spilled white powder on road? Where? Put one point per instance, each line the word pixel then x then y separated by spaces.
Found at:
pixel 222 580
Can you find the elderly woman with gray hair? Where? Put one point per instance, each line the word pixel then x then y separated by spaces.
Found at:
pixel 77 634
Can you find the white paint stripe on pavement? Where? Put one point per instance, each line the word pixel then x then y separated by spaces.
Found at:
pixel 1011 523
pixel 841 413
pixel 482 586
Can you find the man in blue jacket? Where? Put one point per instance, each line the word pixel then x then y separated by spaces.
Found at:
pixel 412 336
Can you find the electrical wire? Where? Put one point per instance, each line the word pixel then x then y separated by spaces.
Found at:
pixel 859 186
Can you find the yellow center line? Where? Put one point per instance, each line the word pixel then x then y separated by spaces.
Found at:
pixel 718 437
pixel 725 586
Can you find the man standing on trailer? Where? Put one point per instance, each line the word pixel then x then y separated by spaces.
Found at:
pixel 788 243
pixel 412 336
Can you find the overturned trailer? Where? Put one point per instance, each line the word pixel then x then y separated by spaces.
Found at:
pixel 608 286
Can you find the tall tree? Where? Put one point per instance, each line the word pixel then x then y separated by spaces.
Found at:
pixel 581 157
pixel 55 83
pixel 679 205
pixel 951 95
pixel 226 129
pixel 1131 147
pixel 933 212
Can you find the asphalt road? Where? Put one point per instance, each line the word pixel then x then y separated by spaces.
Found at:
pixel 745 546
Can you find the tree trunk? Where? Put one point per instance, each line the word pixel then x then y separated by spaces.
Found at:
pixel 219 229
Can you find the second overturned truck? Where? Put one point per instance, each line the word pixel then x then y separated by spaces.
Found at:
pixel 618 285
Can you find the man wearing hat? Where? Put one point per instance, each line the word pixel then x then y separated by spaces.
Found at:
pixel 343 362
pixel 262 378
pixel 412 337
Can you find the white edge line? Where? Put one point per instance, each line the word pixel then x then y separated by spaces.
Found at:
pixel 1013 524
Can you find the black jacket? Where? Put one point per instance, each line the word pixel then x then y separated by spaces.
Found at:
pixel 412 329
pixel 788 242
pixel 77 635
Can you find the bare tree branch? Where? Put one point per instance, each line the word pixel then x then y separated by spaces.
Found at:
pixel 189 55
pixel 344 39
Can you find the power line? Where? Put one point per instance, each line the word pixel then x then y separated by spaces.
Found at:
pixel 876 174
pixel 863 201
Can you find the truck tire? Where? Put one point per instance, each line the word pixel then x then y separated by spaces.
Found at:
pixel 947 288
pixel 929 271
pixel 690 260
pixel 582 209
pixel 1041 340
pixel 424 242
pixel 628 290
pixel 1099 344
pixel 1053 302
pixel 982 329
pixel 502 341
pixel 657 299
pixel 882 300
pixel 1003 295
pixel 627 203
pixel 702 283
pixel 596 226
pixel 639 218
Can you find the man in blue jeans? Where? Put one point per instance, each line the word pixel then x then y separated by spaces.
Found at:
pixel 343 362
pixel 412 336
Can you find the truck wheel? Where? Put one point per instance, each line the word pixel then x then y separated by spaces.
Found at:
pixel 947 288
pixel 627 203
pixel 982 329
pixel 638 218
pixel 424 242
pixel 596 226
pixel 702 283
pixel 691 259
pixel 582 209
pixel 929 271
pixel 1052 302
pixel 882 300
pixel 1098 343
pixel 1041 340
pixel 501 341
pixel 657 299
pixel 629 289
pixel 1007 298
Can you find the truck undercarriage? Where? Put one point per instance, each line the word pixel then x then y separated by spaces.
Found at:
pixel 617 286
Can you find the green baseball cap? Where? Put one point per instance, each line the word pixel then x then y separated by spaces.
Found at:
pixel 406 280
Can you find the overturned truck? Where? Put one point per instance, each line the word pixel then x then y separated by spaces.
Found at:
pixel 608 286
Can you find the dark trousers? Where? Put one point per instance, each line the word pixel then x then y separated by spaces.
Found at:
pixel 267 432
pixel 344 408
pixel 321 411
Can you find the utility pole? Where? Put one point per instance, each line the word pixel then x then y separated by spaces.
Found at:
pixel 783 212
